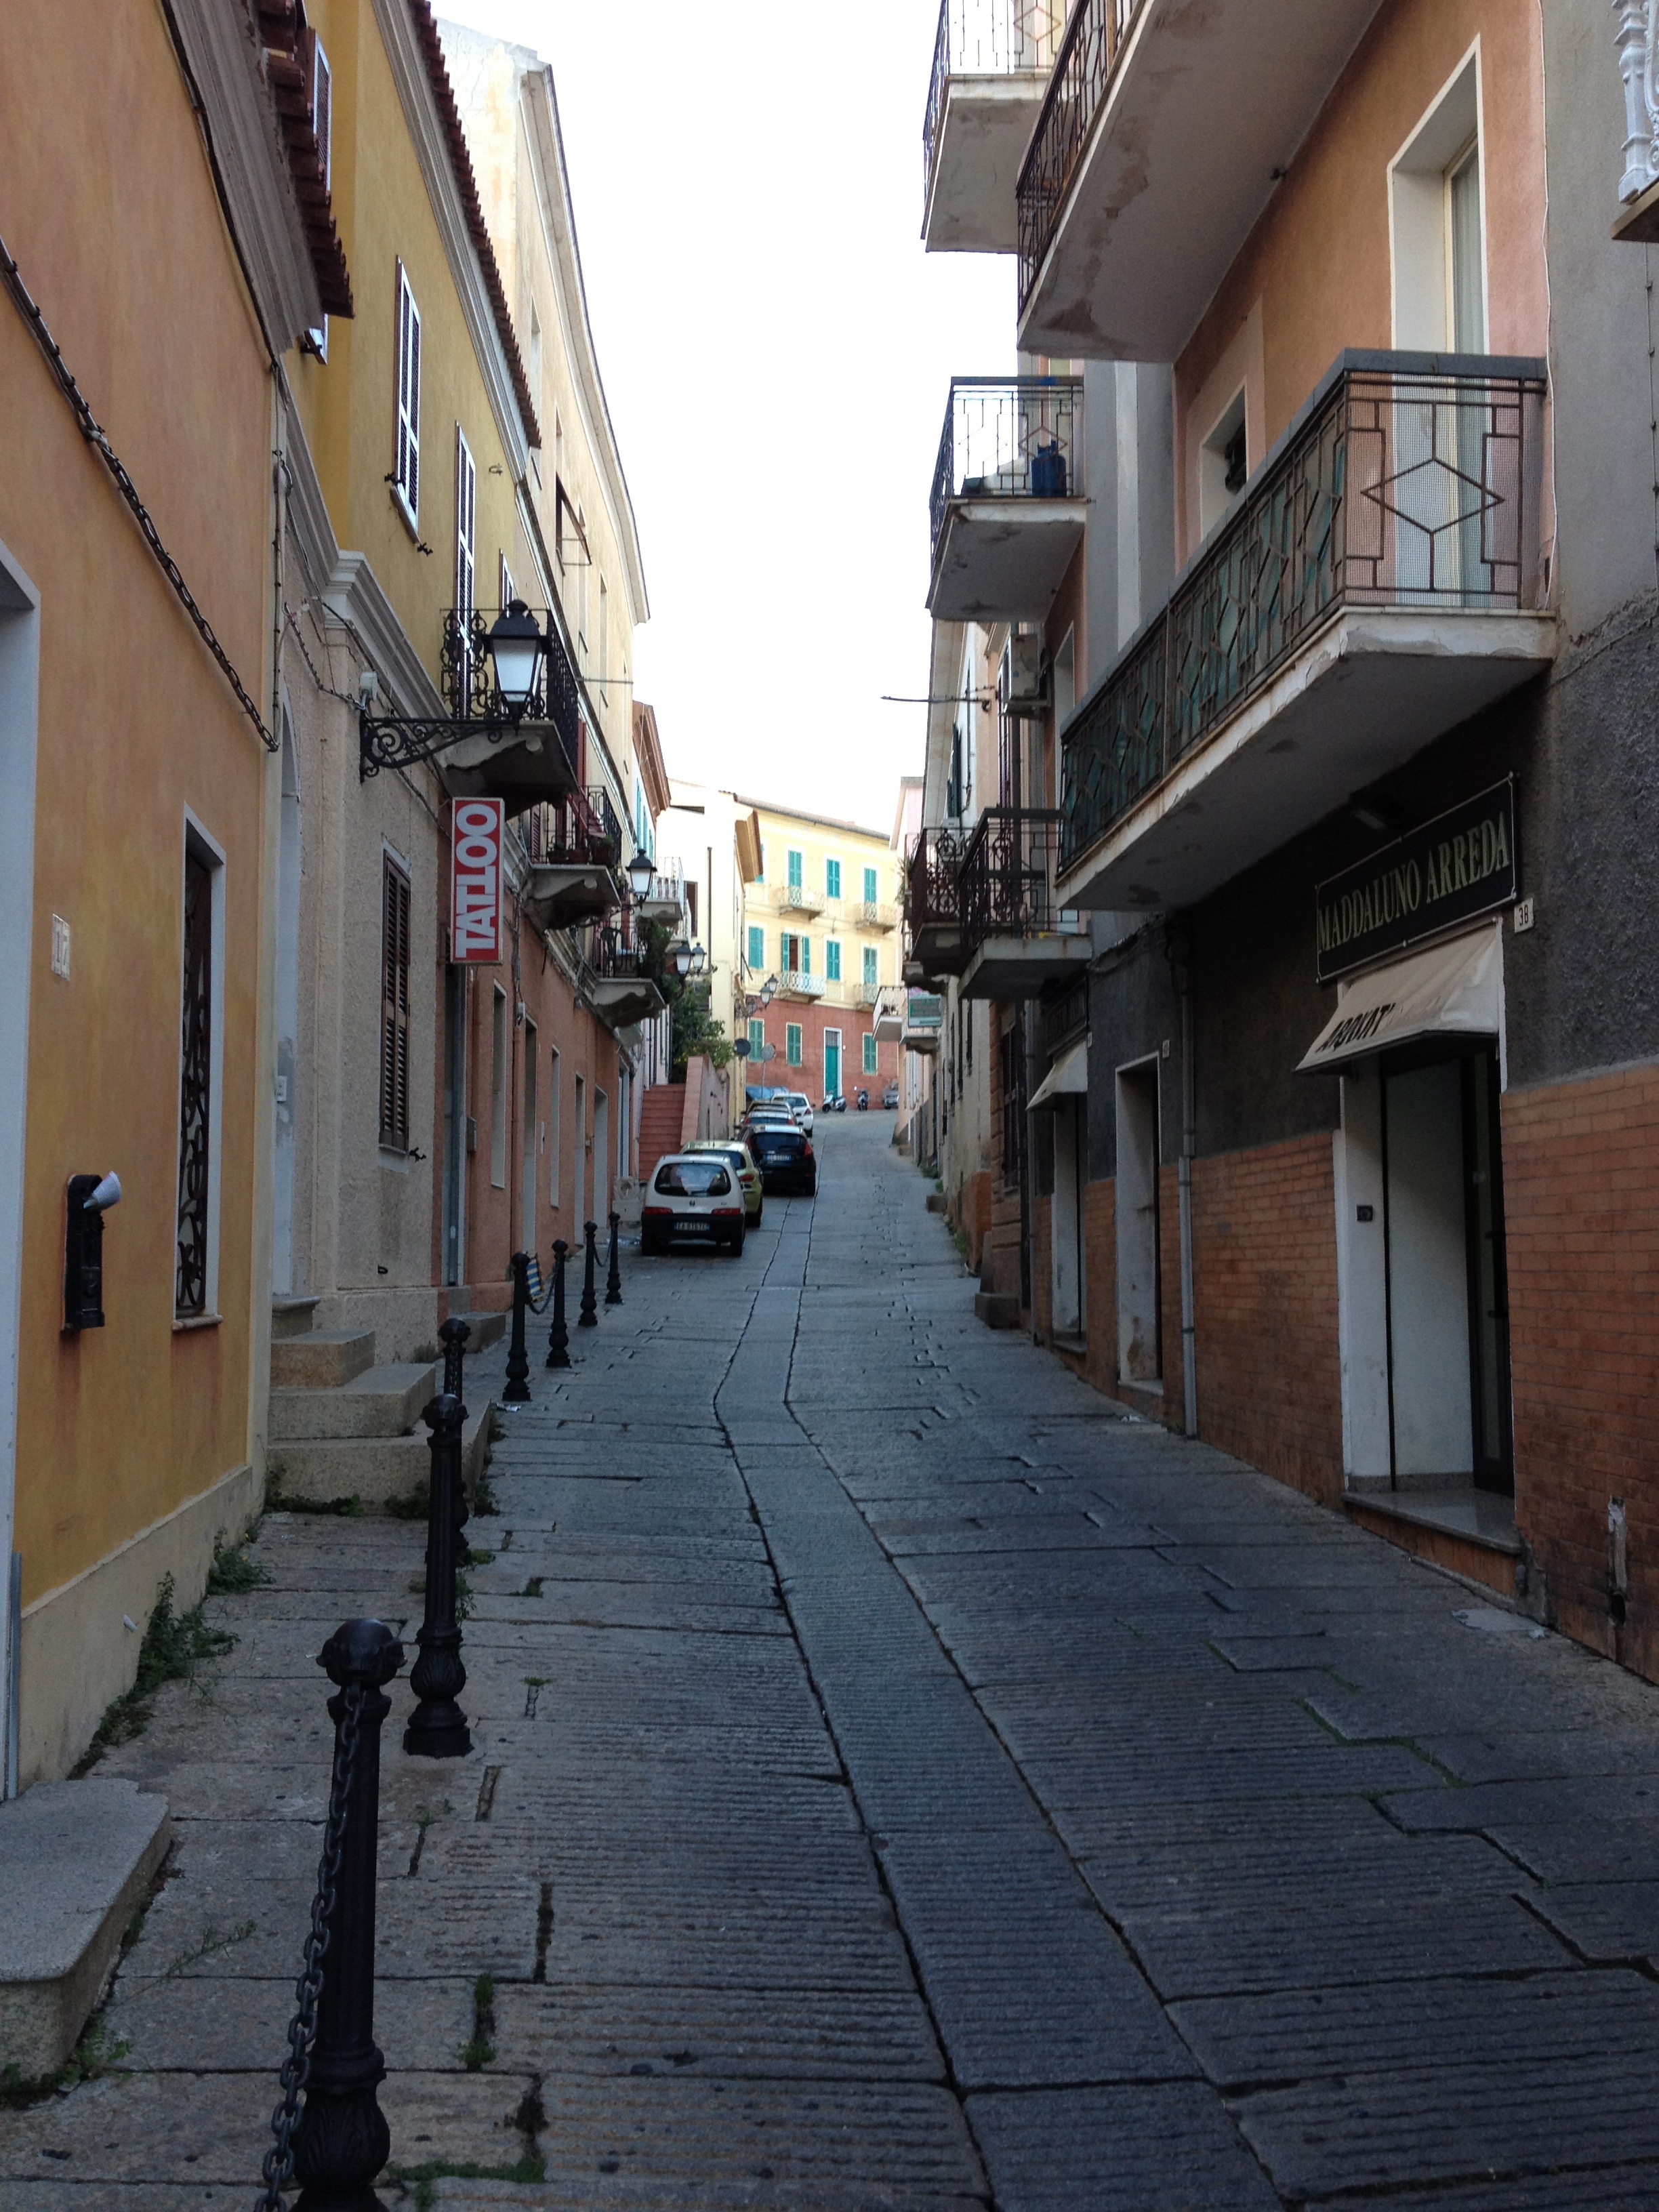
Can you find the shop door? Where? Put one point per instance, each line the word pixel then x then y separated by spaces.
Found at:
pixel 832 1063
pixel 1066 1219
pixel 1140 1346
pixel 1447 1329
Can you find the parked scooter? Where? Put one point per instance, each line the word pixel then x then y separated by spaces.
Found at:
pixel 835 1103
pixel 862 1102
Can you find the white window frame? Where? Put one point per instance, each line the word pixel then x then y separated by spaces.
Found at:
pixel 871 886
pixel 322 126
pixel 504 583
pixel 832 960
pixel 1420 246
pixel 407 456
pixel 832 861
pixel 466 529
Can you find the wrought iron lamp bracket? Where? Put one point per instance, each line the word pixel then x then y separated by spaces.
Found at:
pixel 402 741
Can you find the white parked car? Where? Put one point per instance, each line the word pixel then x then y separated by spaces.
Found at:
pixel 694 1197
pixel 801 1107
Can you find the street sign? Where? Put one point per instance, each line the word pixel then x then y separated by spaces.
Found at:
pixel 768 1052
pixel 477 828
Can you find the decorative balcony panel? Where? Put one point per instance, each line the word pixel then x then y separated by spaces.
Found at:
pixel 1007 508
pixel 574 848
pixel 526 763
pixel 1378 583
pixel 794 983
pixel 1161 136
pixel 795 898
pixel 620 983
pixel 874 914
pixel 1016 937
pixel 933 904
pixel 991 61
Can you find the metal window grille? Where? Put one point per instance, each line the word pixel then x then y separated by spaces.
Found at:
pixel 195 1091
pixel 394 1004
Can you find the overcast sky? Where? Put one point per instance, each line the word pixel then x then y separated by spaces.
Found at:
pixel 776 350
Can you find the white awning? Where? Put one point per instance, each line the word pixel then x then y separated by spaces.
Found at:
pixel 1067 1077
pixel 1451 990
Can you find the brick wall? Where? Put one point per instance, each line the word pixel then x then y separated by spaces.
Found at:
pixel 1581 1191
pixel 1264 1266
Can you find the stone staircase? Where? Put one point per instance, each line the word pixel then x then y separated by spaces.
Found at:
pixel 342 1427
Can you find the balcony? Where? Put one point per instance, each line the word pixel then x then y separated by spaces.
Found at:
pixel 873 914
pixel 665 900
pixel 1016 936
pixel 1378 584
pixel 795 983
pixel 888 1023
pixel 525 764
pixel 922 1021
pixel 1159 141
pixel 1007 508
pixel 933 906
pixel 795 898
pixel 620 983
pixel 573 848
pixel 991 62
pixel 857 992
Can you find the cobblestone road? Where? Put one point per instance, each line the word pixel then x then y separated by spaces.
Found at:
pixel 903 1781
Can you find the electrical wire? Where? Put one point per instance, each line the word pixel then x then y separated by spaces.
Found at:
pixel 93 432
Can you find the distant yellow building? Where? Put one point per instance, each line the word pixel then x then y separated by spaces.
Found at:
pixel 820 922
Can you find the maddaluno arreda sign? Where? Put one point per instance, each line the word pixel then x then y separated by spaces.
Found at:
pixel 1460 864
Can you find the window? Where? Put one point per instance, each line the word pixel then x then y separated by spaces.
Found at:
pixel 498 1087
pixel 869 1053
pixel 693 1179
pixel 757 1039
pixel 466 534
pixel 832 961
pixel 531 1145
pixel 394 1004
pixel 792 1044
pixel 536 357
pixel 756 945
pixel 871 967
pixel 322 127
pixel 201 1057
pixel 872 889
pixel 1437 231
pixel 505 586
pixel 603 640
pixel 804 947
pixel 797 871
pixel 1223 463
pixel 832 879
pixel 553 1105
pixel 406 469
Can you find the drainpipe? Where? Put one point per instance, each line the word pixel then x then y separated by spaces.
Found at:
pixel 1181 958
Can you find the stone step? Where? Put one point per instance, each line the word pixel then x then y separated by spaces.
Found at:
pixel 292 1317
pixel 997 1309
pixel 487 1328
pixel 381 1401
pixel 372 1469
pixel 321 1359
pixel 76 1860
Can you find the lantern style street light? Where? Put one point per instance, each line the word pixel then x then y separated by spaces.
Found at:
pixel 680 954
pixel 641 870
pixel 699 959
pixel 769 991
pixel 515 650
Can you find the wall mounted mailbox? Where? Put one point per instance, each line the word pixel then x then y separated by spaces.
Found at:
pixel 90 1198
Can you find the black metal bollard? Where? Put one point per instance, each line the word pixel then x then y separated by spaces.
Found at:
pixel 453 1336
pixel 589 1316
pixel 558 1337
pixel 613 1278
pixel 517 1359
pixel 437 1728
pixel 341 2141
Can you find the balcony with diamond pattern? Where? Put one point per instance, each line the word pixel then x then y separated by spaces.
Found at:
pixel 1378 582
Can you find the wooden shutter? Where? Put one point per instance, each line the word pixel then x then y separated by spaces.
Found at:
pixel 407 473
pixel 394 1004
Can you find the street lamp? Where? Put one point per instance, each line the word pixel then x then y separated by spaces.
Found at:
pixel 699 959
pixel 515 648
pixel 680 954
pixel 641 870
pixel 769 991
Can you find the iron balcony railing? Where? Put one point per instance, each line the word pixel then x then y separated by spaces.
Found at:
pixel 1088 57
pixel 1007 877
pixel 872 913
pixel 986 38
pixel 581 829
pixel 1008 438
pixel 1405 482
pixel 467 675
pixel 795 898
pixel 796 983
pixel 932 891
pixel 613 958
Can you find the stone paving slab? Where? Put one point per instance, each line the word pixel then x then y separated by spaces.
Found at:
pixel 1149 2150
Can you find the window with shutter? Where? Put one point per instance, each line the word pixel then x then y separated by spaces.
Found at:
pixel 322 128
pixel 869 888
pixel 832 961
pixel 406 474
pixel 394 1006
pixel 871 961
pixel 466 537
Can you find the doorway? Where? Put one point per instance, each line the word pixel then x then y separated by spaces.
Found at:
pixel 287 1016
pixel 601 1157
pixel 832 1063
pixel 455 1122
pixel 1066 1219
pixel 529 1141
pixel 1447 1321
pixel 1139 1333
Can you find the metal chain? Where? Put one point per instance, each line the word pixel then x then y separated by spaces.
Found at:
pixel 278 2169
pixel 94 434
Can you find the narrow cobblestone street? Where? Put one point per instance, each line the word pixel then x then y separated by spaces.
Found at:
pixel 902 1779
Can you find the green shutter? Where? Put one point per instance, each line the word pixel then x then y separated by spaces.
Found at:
pixel 869 887
pixel 869 1053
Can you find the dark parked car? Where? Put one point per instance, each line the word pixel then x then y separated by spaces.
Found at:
pixel 785 1159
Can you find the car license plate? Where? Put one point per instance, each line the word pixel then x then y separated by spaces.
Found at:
pixel 693 1228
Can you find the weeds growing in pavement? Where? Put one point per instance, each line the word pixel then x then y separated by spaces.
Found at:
pixel 233 1573
pixel 484 1499
pixel 344 1509
pixel 95 2055
pixel 173 1646
pixel 479 2050
pixel 532 1588
pixel 497 1426
pixel 425 1354
pixel 213 1942
pixel 413 1505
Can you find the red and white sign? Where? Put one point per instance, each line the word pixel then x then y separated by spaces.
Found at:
pixel 477 828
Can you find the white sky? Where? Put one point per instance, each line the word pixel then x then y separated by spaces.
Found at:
pixel 776 351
